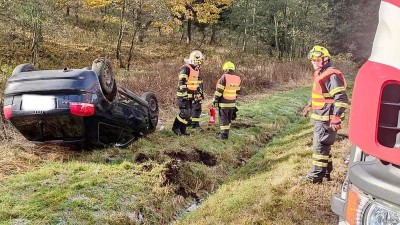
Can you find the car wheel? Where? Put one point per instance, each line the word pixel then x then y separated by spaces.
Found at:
pixel 102 67
pixel 104 71
pixel 23 68
pixel 151 100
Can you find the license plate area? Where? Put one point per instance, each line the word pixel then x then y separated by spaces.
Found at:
pixel 38 102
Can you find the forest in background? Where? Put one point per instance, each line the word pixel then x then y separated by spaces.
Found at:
pixel 280 29
pixel 147 40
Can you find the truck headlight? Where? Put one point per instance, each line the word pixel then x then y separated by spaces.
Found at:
pixel 378 213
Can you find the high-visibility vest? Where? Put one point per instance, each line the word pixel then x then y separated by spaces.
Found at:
pixel 232 85
pixel 193 79
pixel 319 97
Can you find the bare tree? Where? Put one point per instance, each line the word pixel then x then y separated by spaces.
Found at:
pixel 120 34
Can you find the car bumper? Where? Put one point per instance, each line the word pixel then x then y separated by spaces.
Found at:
pixel 338 205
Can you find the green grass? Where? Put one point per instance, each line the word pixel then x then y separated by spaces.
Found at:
pixel 153 180
pixel 268 189
pixel 79 192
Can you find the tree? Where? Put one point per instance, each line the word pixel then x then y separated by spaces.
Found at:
pixel 354 27
pixel 200 11
pixel 32 16
pixel 280 28
pixel 97 3
pixel 143 14
pixel 120 34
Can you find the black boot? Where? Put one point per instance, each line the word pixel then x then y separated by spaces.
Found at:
pixel 176 127
pixel 224 135
pixel 309 179
pixel 183 129
pixel 328 177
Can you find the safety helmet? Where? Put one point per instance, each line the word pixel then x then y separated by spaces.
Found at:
pixel 318 51
pixel 196 58
pixel 228 65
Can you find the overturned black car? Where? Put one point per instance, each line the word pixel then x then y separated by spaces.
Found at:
pixel 84 107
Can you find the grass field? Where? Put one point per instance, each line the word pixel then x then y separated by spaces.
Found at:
pixel 268 189
pixel 251 178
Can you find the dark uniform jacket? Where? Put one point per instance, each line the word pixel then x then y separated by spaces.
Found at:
pixel 333 88
pixel 185 84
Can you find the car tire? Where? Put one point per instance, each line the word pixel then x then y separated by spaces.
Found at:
pixel 102 67
pixel 152 101
pixel 23 68
pixel 105 72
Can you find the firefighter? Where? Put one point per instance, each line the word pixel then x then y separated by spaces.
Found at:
pixel 328 103
pixel 189 90
pixel 225 98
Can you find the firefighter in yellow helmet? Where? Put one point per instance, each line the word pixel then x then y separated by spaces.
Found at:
pixel 190 93
pixel 328 103
pixel 225 98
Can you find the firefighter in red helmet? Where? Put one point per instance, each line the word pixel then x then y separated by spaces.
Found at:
pixel 225 98
pixel 189 94
pixel 328 103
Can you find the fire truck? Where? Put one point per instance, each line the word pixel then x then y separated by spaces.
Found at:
pixel 371 191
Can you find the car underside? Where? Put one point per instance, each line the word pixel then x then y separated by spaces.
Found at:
pixel 71 106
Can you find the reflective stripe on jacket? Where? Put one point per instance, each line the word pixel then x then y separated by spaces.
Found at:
pixel 193 79
pixel 321 96
pixel 226 90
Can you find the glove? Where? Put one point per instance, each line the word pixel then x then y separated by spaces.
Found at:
pixel 305 111
pixel 336 123
pixel 215 104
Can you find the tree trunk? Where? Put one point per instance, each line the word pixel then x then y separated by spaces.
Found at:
pixel 257 46
pixel 189 32
pixel 276 35
pixel 104 16
pixel 183 33
pixel 142 31
pixel 285 48
pixel 203 32
pixel 120 35
pixel 36 35
pixel 244 39
pixel 254 19
pixel 130 54
pixel 34 46
pixel 76 14
pixel 238 39
pixel 246 21
pixel 213 33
